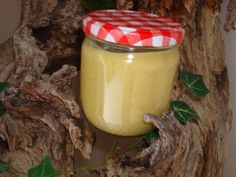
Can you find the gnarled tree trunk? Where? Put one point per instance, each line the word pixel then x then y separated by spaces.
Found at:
pixel 43 118
pixel 198 148
pixel 42 115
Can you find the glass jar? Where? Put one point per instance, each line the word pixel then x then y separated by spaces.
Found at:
pixel 120 83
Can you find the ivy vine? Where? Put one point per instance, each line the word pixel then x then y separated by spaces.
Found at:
pixel 183 112
pixel 46 169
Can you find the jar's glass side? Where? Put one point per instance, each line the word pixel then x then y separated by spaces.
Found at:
pixel 118 88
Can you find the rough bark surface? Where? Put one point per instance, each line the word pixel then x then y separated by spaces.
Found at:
pixel 231 16
pixel 198 148
pixel 7 62
pixel 43 118
pixel 42 115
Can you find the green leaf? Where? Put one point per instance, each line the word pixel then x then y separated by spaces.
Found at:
pixel 194 83
pixel 182 111
pixel 44 169
pixel 151 135
pixel 2 109
pixel 3 86
pixel 90 5
pixel 4 167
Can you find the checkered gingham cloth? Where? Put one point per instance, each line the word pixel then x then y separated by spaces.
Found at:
pixel 133 28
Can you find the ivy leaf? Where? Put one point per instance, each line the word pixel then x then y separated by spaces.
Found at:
pixel 3 86
pixel 182 111
pixel 194 82
pixel 2 109
pixel 4 167
pixel 90 5
pixel 44 169
pixel 150 136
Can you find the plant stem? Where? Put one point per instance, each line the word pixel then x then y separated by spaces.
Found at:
pixel 112 151
pixel 132 146
pixel 88 171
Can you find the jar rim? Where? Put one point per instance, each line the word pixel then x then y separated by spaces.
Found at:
pixel 128 47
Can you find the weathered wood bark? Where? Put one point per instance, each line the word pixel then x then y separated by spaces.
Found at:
pixel 231 16
pixel 7 62
pixel 198 148
pixel 42 115
pixel 43 118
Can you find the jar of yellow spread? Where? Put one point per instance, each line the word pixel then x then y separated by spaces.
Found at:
pixel 128 67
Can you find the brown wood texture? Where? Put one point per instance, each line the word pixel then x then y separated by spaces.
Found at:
pixel 42 115
pixel 198 148
pixel 43 118
pixel 230 16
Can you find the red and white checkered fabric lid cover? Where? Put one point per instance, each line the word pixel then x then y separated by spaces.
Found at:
pixel 133 28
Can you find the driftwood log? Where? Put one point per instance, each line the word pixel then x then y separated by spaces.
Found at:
pixel 43 118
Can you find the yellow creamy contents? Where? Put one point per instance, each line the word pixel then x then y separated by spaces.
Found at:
pixel 118 88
